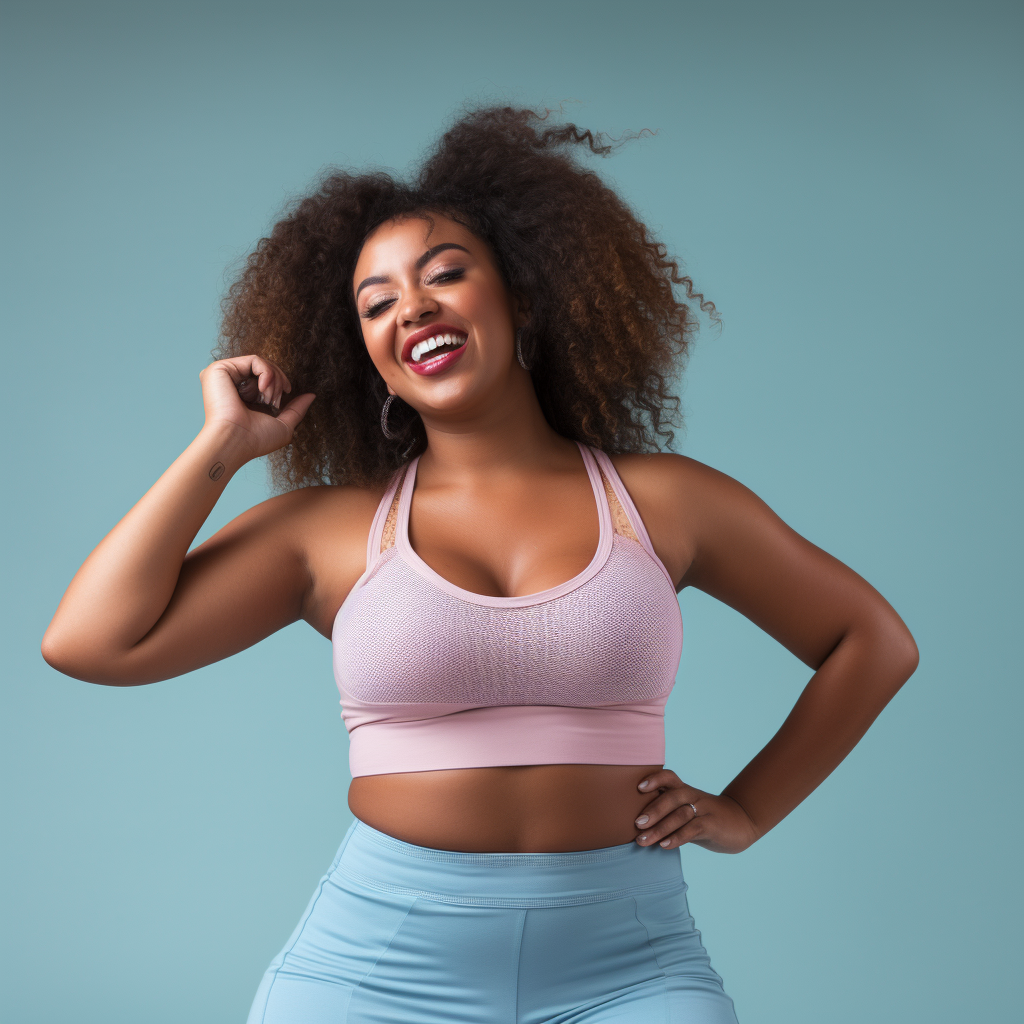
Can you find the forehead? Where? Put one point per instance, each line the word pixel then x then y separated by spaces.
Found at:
pixel 400 242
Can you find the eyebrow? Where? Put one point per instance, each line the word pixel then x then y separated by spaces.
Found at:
pixel 420 264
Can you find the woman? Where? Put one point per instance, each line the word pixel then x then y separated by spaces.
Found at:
pixel 476 513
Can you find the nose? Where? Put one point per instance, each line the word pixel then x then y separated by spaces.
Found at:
pixel 415 305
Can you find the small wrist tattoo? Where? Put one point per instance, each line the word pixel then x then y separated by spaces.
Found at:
pixel 216 470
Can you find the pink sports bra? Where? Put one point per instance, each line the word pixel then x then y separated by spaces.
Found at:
pixel 432 676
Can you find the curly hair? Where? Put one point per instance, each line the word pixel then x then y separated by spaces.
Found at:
pixel 605 332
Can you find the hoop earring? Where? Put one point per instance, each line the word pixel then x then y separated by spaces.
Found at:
pixel 384 419
pixel 519 349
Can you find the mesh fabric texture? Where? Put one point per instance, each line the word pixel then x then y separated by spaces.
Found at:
pixel 431 676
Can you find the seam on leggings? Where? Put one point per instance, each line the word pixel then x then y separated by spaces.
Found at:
pixel 516 957
pixel 284 953
pixel 309 913
pixel 636 914
pixel 650 945
pixel 514 901
pixel 394 935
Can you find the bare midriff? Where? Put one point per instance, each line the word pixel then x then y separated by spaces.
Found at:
pixel 533 808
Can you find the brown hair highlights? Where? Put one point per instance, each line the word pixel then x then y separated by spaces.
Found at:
pixel 606 331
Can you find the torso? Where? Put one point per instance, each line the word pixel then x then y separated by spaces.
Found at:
pixel 521 542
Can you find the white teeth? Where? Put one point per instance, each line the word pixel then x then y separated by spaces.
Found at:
pixel 420 349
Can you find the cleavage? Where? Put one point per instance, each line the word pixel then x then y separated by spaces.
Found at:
pixel 506 545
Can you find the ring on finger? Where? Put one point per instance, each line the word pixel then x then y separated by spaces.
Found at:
pixel 694 806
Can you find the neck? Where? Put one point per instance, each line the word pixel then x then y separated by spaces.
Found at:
pixel 501 437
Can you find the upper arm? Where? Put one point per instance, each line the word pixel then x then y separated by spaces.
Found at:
pixel 247 581
pixel 728 543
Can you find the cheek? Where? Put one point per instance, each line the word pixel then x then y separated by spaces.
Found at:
pixel 487 305
pixel 378 345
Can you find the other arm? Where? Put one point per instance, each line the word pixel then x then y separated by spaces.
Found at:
pixel 820 610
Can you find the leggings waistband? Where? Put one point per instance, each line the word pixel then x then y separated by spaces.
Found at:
pixel 375 859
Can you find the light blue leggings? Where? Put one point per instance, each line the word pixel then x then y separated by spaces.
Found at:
pixel 404 934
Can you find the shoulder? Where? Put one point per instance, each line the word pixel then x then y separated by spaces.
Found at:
pixel 666 479
pixel 297 517
pixel 322 532
pixel 310 503
pixel 677 498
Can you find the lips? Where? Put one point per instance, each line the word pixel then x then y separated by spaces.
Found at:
pixel 417 351
pixel 437 364
pixel 423 334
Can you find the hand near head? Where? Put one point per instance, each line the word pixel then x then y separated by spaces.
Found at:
pixel 248 395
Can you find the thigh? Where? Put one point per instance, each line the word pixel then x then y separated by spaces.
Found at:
pixel 361 955
pixel 634 960
pixel 341 937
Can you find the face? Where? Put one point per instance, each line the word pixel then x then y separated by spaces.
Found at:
pixel 418 286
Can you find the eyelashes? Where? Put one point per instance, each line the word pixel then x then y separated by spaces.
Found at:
pixel 447 275
pixel 376 308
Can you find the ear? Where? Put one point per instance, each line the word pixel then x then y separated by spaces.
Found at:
pixel 520 310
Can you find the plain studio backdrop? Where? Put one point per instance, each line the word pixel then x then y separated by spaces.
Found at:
pixel 843 180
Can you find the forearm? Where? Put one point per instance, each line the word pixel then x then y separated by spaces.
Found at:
pixel 125 584
pixel 835 710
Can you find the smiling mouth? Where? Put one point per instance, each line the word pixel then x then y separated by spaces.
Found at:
pixel 433 348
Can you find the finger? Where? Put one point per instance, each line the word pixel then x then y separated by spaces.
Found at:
pixel 656 780
pixel 692 830
pixel 291 415
pixel 685 797
pixel 658 830
pixel 266 385
pixel 248 390
pixel 251 381
pixel 240 367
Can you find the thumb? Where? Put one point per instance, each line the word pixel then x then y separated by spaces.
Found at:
pixel 291 415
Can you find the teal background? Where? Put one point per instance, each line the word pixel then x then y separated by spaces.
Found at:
pixel 842 179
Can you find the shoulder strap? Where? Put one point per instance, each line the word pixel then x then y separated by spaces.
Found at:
pixel 620 520
pixel 382 533
pixel 626 503
pixel 387 537
pixel 385 514
pixel 623 510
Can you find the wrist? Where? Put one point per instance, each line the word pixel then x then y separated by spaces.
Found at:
pixel 226 447
pixel 756 830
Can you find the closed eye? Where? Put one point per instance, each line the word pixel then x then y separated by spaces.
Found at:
pixel 447 275
pixel 376 308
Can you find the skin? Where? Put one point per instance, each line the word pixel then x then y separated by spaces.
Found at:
pixel 503 507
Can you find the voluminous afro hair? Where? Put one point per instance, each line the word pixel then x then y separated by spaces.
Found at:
pixel 606 331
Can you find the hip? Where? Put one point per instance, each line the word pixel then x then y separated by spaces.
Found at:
pixel 397 931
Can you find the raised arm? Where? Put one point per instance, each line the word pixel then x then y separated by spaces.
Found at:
pixel 821 611
pixel 141 608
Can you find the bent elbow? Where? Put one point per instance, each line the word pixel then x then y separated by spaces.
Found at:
pixel 900 651
pixel 54 653
pixel 67 658
pixel 910 655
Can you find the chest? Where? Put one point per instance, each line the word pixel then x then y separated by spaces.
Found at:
pixel 507 541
